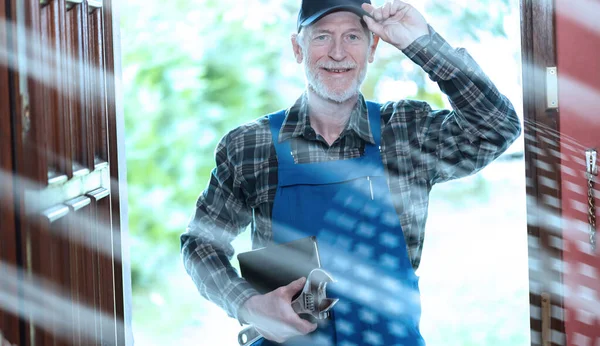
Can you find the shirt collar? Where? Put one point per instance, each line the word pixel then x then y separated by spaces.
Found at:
pixel 297 122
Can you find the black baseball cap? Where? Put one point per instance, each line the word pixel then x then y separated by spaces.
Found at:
pixel 313 10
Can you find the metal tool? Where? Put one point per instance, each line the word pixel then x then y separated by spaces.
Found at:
pixel 312 301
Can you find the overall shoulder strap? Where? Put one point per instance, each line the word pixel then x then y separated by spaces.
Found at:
pixel 374 111
pixel 283 149
pixel 276 121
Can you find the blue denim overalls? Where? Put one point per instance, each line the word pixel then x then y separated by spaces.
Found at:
pixel 347 205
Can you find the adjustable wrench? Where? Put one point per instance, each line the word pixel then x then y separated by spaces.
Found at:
pixel 312 301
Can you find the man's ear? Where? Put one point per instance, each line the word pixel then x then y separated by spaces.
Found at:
pixel 297 48
pixel 373 48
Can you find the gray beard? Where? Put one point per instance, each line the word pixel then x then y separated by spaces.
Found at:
pixel 315 84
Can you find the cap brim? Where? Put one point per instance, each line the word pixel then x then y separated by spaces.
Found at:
pixel 315 17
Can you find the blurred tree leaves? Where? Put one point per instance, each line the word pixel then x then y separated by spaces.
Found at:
pixel 471 18
pixel 187 81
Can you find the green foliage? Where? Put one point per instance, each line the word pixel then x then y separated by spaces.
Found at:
pixel 471 18
pixel 187 82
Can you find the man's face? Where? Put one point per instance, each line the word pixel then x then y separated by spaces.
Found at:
pixel 335 51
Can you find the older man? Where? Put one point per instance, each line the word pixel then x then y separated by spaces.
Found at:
pixel 354 173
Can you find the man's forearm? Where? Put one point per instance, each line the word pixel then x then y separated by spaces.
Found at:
pixel 484 111
pixel 213 274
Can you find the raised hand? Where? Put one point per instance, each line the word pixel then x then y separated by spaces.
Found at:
pixel 396 22
pixel 272 314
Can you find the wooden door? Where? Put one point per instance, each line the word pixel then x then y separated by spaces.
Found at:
pixel 578 63
pixel 542 145
pixel 62 259
pixel 563 266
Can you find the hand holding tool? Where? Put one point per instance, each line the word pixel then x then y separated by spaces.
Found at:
pixel 311 301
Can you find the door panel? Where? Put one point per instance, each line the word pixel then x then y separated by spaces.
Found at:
pixel 60 163
pixel 103 242
pixel 541 132
pixel 9 237
pixel 578 52
pixel 564 267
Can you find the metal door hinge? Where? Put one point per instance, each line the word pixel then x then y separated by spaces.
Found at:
pixel 551 88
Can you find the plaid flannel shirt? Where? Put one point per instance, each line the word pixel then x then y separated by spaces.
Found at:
pixel 419 147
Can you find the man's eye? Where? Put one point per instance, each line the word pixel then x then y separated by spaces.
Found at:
pixel 321 37
pixel 353 37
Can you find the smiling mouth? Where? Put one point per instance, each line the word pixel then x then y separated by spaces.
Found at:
pixel 337 70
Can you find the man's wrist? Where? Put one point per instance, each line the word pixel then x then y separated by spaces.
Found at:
pixel 416 44
pixel 419 44
pixel 243 315
pixel 243 312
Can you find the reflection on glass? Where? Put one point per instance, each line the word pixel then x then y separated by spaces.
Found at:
pixel 220 64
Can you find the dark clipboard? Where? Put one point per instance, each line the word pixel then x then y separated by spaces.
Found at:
pixel 277 265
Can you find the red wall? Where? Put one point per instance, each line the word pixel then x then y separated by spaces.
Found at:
pixel 578 54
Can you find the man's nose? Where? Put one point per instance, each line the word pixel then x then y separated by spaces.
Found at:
pixel 337 51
